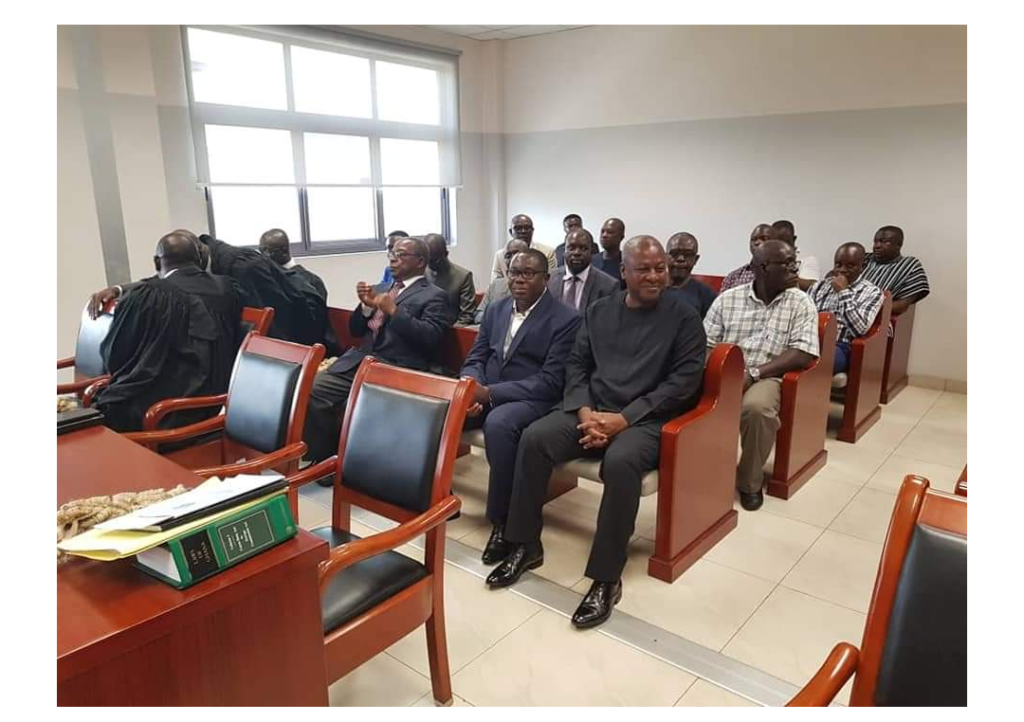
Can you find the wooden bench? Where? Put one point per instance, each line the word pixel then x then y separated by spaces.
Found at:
pixel 897 354
pixel 961 483
pixel 863 382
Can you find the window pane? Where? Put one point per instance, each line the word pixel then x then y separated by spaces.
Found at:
pixel 242 215
pixel 249 155
pixel 407 94
pixel 331 83
pixel 339 214
pixel 235 70
pixel 409 162
pixel 337 158
pixel 414 210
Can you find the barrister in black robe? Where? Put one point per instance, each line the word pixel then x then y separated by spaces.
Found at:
pixel 175 335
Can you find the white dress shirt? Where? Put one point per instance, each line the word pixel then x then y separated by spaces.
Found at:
pixel 517 321
pixel 567 284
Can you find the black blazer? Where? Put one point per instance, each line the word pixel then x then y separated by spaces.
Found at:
pixel 599 284
pixel 409 338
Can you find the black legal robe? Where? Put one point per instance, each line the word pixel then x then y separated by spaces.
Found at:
pixel 330 339
pixel 170 337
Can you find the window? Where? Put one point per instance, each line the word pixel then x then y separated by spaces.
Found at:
pixel 335 138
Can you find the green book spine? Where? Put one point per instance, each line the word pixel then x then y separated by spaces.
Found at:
pixel 192 557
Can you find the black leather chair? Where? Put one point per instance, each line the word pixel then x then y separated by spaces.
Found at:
pixel 87 361
pixel 399 440
pixel 914 651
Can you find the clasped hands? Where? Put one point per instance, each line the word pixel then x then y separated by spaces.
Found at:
pixel 599 427
pixel 481 396
pixel 369 297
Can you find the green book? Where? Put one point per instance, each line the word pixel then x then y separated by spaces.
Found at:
pixel 202 552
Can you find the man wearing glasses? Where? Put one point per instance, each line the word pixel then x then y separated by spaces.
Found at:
pixel 776 326
pixel 400 323
pixel 521 229
pixel 683 253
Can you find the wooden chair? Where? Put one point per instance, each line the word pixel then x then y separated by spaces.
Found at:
pixel 863 382
pixel 257 320
pixel 914 650
pixel 87 361
pixel 897 354
pixel 371 595
pixel 338 318
pixel 961 484
pixel 714 281
pixel 264 413
pixel 800 442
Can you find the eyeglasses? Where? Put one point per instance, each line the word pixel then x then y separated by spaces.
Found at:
pixel 401 255
pixel 529 274
pixel 790 265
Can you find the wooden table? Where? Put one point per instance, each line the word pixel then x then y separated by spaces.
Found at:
pixel 251 635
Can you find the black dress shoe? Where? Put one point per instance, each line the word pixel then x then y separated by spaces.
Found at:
pixel 522 558
pixel 597 605
pixel 751 502
pixel 497 546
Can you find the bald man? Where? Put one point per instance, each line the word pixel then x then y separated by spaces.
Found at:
pixel 683 252
pixel 175 335
pixel 745 274
pixel 454 280
pixel 521 228
pixel 638 361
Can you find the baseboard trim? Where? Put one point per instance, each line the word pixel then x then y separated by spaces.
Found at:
pixel 937 382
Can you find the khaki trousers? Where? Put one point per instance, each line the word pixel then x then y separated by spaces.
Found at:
pixel 759 420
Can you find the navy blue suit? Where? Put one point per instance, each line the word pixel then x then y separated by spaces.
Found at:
pixel 525 383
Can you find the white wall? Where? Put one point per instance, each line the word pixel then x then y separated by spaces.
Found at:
pixel 713 130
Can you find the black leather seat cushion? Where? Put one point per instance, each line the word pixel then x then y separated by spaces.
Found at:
pixel 88 360
pixel 925 658
pixel 392 446
pixel 364 585
pixel 262 390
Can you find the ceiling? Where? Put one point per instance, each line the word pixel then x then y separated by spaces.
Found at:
pixel 500 32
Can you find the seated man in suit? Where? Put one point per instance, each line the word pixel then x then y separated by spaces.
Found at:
pixel 499 286
pixel 174 335
pixel 570 223
pixel 902 276
pixel 578 284
pixel 613 231
pixel 775 324
pixel 522 229
pixel 402 324
pixel 518 362
pixel 454 280
pixel 745 274
pixel 637 362
pixel 851 298
pixel 683 253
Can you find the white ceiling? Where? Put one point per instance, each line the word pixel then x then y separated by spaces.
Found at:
pixel 500 32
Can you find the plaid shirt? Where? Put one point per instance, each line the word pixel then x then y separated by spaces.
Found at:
pixel 763 332
pixel 738 277
pixel 855 308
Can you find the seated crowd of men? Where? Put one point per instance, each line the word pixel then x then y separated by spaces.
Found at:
pixel 580 352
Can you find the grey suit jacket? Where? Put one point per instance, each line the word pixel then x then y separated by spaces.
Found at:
pixel 599 284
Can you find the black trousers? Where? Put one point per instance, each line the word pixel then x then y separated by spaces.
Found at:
pixel 553 440
pixel 327 401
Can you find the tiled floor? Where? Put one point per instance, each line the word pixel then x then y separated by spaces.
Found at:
pixel 792 580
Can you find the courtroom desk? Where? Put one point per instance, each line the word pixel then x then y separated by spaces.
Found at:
pixel 251 635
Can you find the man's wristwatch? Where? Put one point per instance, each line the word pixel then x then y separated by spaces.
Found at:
pixel 755 373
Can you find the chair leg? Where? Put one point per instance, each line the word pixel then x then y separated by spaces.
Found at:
pixel 437 653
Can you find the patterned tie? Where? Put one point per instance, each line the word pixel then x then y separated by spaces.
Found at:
pixel 377 320
pixel 569 297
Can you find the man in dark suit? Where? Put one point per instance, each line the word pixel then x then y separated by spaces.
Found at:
pixel 518 362
pixel 579 284
pixel 454 280
pixel 402 323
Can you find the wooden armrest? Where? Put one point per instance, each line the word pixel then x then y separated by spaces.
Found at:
pixel 313 472
pixel 75 387
pixel 63 363
pixel 156 412
pixel 715 374
pixel 348 554
pixel 94 388
pixel 254 466
pixel 827 681
pixel 166 436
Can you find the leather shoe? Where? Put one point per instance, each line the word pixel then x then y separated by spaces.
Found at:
pixel 497 546
pixel 751 502
pixel 597 605
pixel 522 558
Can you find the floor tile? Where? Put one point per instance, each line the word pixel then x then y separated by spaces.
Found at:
pixel 427 700
pixel 469 483
pixel 887 434
pixel 705 694
pixel 575 668
pixel 381 682
pixel 946 419
pixel 850 462
pixel 791 635
pixel 839 569
pixel 889 476
pixel 936 445
pixel 706 605
pixel 476 617
pixel 867 516
pixel 764 545
pixel 950 400
pixel 313 514
pixel 817 502
pixel 912 401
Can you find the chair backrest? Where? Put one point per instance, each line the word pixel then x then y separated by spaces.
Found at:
pixel 399 439
pixel 715 282
pixel 91 332
pixel 914 650
pixel 269 392
pixel 257 320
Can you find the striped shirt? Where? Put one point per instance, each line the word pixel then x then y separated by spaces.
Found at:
pixel 855 307
pixel 763 332
pixel 738 277
pixel 903 277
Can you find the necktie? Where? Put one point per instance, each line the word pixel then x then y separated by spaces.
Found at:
pixel 569 297
pixel 377 320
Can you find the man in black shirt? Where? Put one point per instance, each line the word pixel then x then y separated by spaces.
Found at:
pixel 637 362
pixel 612 232
pixel 683 253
